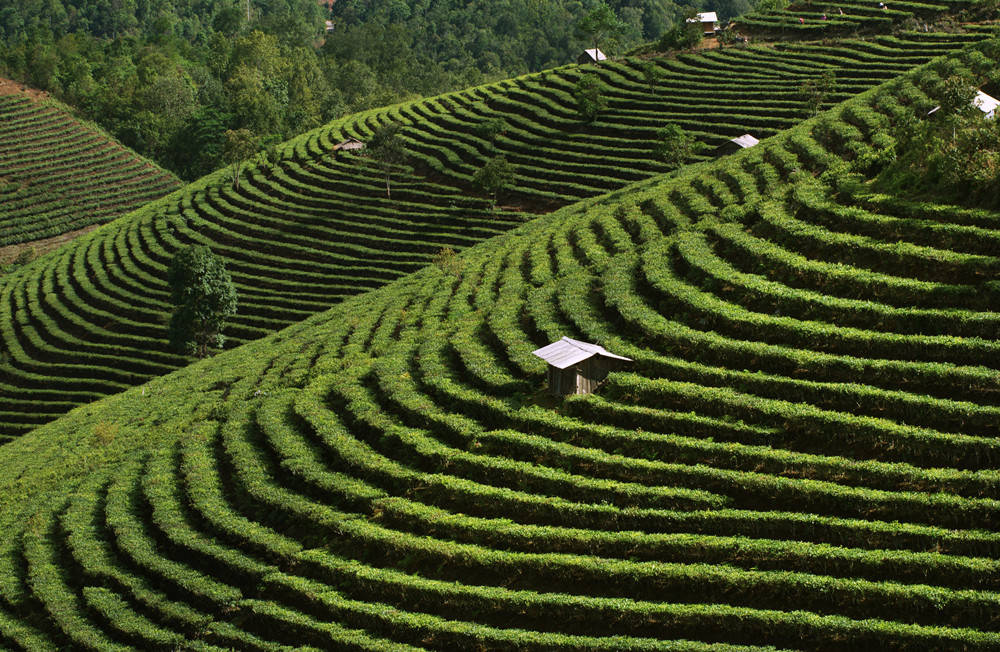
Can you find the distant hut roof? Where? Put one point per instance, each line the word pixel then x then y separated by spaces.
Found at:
pixel 348 144
pixel 705 17
pixel 744 141
pixel 568 352
pixel 985 103
pixel 595 55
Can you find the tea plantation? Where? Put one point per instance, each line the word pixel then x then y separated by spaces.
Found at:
pixel 804 454
pixel 58 174
pixel 311 226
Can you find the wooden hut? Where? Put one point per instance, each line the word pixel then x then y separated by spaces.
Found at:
pixel 349 145
pixel 577 367
pixel 736 144
pixel 709 22
pixel 592 55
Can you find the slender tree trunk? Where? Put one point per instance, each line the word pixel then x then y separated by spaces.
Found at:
pixel 388 193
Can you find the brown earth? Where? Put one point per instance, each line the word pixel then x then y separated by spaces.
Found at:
pixel 11 87
pixel 45 245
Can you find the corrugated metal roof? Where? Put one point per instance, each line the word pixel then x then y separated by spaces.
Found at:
pixel 596 54
pixel 568 352
pixel 705 17
pixel 746 140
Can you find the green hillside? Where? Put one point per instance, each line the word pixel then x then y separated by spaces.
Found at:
pixel 58 174
pixel 803 455
pixel 315 227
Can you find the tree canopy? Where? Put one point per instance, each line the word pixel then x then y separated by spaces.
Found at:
pixel 495 176
pixel 204 296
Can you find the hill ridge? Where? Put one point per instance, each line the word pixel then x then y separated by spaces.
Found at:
pixel 59 174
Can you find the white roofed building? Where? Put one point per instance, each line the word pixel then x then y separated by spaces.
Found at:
pixel 986 103
pixel 577 367
pixel 709 21
pixel 734 145
pixel 592 55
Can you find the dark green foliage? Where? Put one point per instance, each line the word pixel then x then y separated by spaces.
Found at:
pixel 203 292
pixel 495 176
pixel 589 92
pixel 674 146
pixel 491 128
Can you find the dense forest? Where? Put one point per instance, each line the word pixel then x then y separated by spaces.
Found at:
pixel 169 78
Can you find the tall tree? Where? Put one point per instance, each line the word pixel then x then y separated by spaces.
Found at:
pixel 601 23
pixel 239 147
pixel 205 297
pixel 385 147
pixel 674 146
pixel 589 95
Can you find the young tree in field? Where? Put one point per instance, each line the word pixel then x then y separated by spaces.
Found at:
pixel 816 91
pixel 601 23
pixel 674 146
pixel 495 176
pixel 956 95
pixel 651 73
pixel 205 297
pixel 240 145
pixel 385 147
pixel 491 128
pixel 589 95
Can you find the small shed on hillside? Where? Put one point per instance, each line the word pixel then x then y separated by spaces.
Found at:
pixel 349 145
pixel 709 22
pixel 577 367
pixel 736 144
pixel 985 103
pixel 592 55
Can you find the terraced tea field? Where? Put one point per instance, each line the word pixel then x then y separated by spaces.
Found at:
pixel 804 454
pixel 315 228
pixel 808 20
pixel 59 175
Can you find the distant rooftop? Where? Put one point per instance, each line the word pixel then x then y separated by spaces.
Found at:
pixel 746 140
pixel 985 103
pixel 705 17
pixel 595 54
